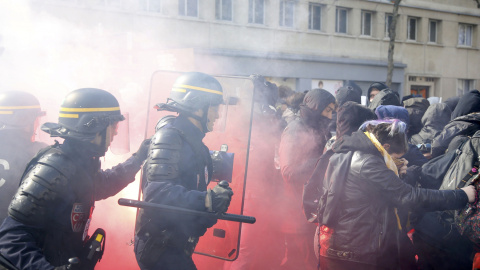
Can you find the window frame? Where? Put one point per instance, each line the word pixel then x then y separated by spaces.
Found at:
pixel 284 4
pixel 388 22
pixel 337 20
pixel 465 25
pixel 219 10
pixel 437 24
pixel 311 21
pixel 184 13
pixel 362 25
pixel 252 12
pixel 147 6
pixel 409 20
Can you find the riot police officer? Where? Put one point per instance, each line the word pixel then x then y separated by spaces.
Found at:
pixel 19 113
pixel 50 213
pixel 177 173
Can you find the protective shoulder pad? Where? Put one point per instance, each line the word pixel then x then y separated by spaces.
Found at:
pixel 40 188
pixel 164 159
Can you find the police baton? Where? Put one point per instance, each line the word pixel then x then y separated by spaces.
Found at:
pixel 168 208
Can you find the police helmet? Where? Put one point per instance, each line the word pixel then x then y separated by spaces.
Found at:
pixel 18 110
pixel 193 91
pixel 84 113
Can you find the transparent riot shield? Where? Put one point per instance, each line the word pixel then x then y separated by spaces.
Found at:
pixel 231 134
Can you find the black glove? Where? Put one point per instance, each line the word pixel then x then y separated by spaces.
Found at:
pixel 142 151
pixel 73 264
pixel 218 199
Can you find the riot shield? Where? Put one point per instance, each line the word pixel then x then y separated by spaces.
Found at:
pixel 231 134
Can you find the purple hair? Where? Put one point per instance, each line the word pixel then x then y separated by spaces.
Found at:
pixel 396 126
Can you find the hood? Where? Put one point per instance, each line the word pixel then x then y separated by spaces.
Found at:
pixel 385 97
pixel 347 93
pixel 434 120
pixel 314 103
pixel 468 103
pixel 472 118
pixel 416 108
pixel 452 103
pixel 378 85
pixel 437 116
pixel 350 117
pixel 392 112
pixel 358 141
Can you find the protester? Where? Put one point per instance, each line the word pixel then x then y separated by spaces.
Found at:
pixel 363 230
pixel 51 211
pixel 413 154
pixel 302 143
pixel 374 89
pixel 434 120
pixel 416 108
pixel 465 121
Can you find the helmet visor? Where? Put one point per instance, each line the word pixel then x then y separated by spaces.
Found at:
pixel 119 135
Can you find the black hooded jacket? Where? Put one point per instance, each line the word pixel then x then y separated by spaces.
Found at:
pixel 433 122
pixel 465 121
pixel 365 228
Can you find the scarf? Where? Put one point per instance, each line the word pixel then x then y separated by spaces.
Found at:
pixel 390 165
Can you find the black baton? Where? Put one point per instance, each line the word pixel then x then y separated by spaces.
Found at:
pixel 223 216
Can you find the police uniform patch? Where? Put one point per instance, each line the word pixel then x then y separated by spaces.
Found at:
pixel 78 217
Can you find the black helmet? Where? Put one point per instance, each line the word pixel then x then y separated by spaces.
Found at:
pixel 19 110
pixel 193 91
pixel 84 113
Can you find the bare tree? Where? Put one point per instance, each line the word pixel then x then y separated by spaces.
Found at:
pixel 392 31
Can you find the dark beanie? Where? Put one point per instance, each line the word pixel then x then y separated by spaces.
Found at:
pixel 351 116
pixel 468 103
pixel 347 93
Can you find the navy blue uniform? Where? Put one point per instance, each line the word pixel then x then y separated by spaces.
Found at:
pixel 16 150
pixel 176 173
pixel 49 215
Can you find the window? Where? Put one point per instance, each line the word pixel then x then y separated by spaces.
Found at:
pixel 287 9
pixel 150 5
pixel 388 23
pixel 255 11
pixel 366 23
pixel 188 8
pixel 412 28
pixel 464 86
pixel 314 16
pixel 223 10
pixel 341 20
pixel 465 34
pixel 432 31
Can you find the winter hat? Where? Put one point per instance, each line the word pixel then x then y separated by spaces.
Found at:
pixel 392 112
pixel 468 103
pixel 347 93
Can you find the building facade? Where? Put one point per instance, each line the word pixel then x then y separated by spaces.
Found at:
pixel 293 42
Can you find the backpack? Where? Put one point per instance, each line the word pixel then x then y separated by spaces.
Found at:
pixel 465 171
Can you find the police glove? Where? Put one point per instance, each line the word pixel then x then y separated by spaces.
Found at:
pixel 218 199
pixel 73 264
pixel 142 151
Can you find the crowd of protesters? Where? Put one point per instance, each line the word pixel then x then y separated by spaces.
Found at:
pixel 370 186
pixel 338 184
